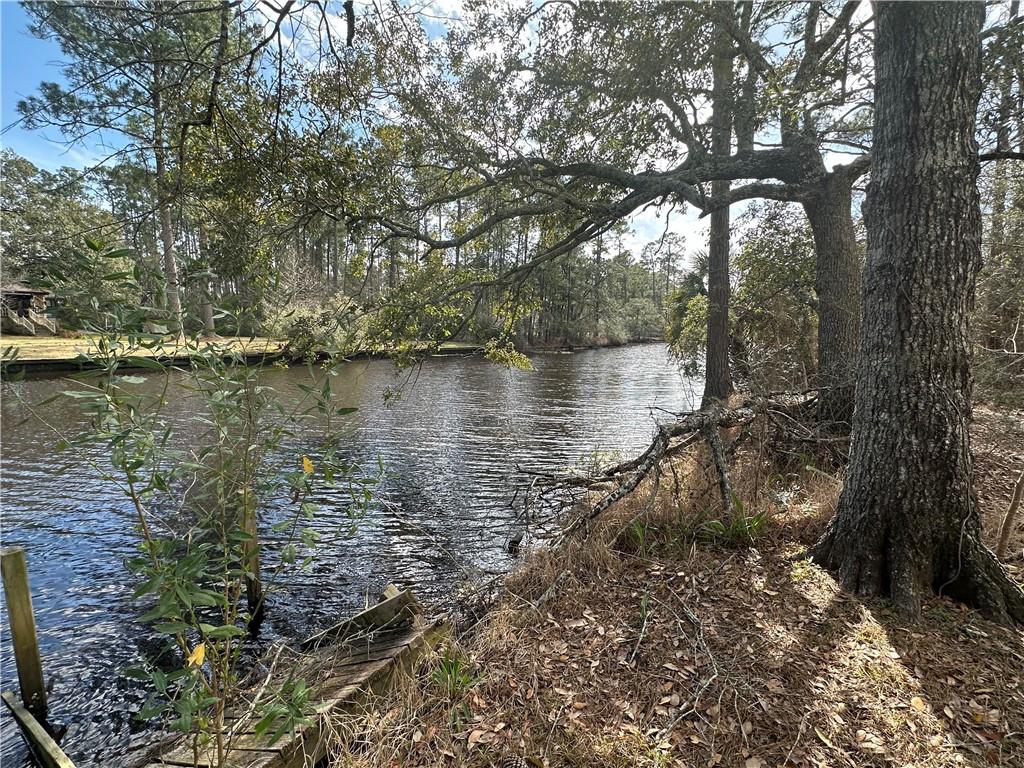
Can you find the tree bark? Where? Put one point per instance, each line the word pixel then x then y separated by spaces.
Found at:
pixel 163 202
pixel 907 522
pixel 206 307
pixel 718 379
pixel 837 283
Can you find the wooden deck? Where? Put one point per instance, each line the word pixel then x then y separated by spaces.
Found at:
pixel 342 666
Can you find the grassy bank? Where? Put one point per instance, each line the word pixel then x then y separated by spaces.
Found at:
pixel 57 349
pixel 664 639
pixel 54 353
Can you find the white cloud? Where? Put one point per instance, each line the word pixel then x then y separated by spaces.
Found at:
pixel 650 224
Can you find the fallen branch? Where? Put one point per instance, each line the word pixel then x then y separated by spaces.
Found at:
pixel 710 431
pixel 691 427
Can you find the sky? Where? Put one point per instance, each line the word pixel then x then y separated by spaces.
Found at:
pixel 26 61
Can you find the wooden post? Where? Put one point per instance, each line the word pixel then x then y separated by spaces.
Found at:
pixel 251 553
pixel 23 629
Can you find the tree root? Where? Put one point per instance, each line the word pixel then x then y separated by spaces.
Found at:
pixel 973 576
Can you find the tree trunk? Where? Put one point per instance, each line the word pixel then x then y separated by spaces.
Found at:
pixel 170 266
pixel 206 308
pixel 717 378
pixel 907 522
pixel 837 282
pixel 998 313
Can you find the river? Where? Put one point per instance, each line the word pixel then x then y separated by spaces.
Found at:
pixel 450 447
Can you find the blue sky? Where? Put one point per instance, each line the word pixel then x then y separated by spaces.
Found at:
pixel 26 61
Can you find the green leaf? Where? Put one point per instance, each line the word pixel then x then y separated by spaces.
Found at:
pixel 171 627
pixel 228 630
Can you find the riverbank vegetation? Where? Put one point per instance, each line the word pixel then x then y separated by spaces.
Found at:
pixel 664 637
pixel 743 591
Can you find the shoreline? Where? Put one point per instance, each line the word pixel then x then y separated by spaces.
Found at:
pixel 40 357
pixel 663 640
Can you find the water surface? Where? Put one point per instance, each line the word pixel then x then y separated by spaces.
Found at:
pixel 452 447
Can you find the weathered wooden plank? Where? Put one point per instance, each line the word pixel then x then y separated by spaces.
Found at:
pixel 244 750
pixel 315 742
pixel 244 741
pixel 389 612
pixel 344 673
pixel 46 750
pixel 247 723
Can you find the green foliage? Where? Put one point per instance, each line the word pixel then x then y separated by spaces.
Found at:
pixel 638 537
pixel 453 674
pixel 286 712
pixel 688 329
pixel 742 530
pixel 772 319
pixel 199 502
pixel 44 215
pixel 329 332
pixel 504 353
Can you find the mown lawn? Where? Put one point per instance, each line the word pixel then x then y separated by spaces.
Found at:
pixel 58 349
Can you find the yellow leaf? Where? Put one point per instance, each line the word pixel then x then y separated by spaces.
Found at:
pixel 198 655
pixel 307 465
pixel 918 703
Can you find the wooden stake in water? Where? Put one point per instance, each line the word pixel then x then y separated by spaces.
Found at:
pixel 23 629
pixel 251 550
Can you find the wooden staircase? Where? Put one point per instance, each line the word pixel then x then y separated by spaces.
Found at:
pixel 31 323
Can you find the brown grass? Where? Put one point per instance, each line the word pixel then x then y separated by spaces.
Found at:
pixel 656 643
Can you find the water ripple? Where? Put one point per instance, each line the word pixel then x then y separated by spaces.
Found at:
pixel 450 447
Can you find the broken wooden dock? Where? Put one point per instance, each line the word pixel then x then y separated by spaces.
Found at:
pixel 342 666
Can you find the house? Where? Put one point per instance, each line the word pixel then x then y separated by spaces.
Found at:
pixel 23 311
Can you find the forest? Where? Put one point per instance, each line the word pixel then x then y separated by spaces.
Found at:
pixel 686 335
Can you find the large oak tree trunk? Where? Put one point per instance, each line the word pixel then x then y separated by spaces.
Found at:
pixel 837 283
pixel 717 378
pixel 907 522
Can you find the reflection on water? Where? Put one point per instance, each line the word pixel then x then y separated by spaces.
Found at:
pixel 450 447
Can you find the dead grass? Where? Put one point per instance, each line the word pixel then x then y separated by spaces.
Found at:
pixel 998 436
pixel 656 644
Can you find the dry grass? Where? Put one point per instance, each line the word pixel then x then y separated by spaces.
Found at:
pixel 658 643
pixel 998 460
